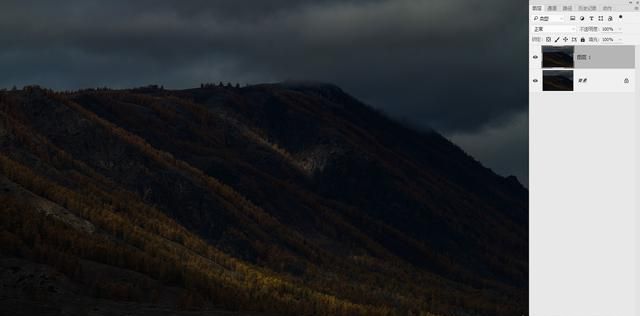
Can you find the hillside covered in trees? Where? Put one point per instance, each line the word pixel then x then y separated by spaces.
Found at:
pixel 275 199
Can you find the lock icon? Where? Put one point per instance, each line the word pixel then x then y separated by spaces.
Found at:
pixel 626 80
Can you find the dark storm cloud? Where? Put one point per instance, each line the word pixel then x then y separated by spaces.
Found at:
pixel 458 66
pixel 503 145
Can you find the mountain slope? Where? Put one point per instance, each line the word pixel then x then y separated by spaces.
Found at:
pixel 289 198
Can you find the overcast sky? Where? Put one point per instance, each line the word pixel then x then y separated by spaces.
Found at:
pixel 459 66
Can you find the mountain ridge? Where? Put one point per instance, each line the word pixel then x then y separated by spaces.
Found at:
pixel 301 182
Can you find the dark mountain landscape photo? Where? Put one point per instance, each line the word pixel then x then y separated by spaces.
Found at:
pixel 557 80
pixel 558 56
pixel 292 198
pixel 265 158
